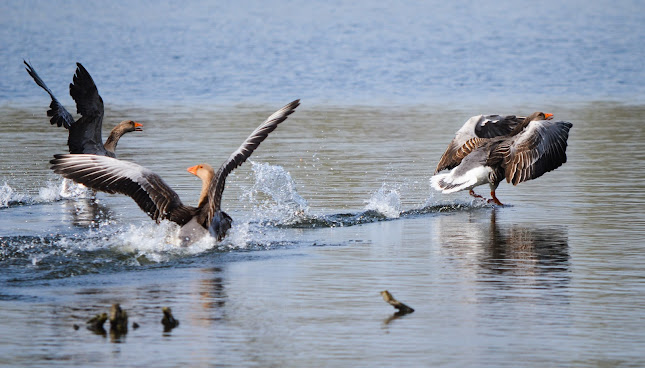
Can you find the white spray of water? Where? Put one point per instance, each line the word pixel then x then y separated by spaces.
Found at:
pixel 274 195
pixel 64 190
pixel 386 201
pixel 8 195
pixel 52 192
pixel 156 242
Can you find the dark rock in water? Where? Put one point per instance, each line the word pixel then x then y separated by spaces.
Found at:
pixel 135 325
pixel 402 309
pixel 76 327
pixel 168 321
pixel 96 323
pixel 118 319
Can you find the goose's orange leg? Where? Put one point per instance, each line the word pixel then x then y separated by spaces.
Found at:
pixel 494 200
pixel 472 193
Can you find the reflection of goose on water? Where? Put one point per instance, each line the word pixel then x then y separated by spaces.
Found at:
pixel 155 197
pixel 489 149
pixel 84 133
pixel 87 212
pixel 545 246
pixel 481 244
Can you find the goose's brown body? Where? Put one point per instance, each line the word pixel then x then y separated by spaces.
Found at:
pixel 529 149
pixel 155 197
pixel 84 133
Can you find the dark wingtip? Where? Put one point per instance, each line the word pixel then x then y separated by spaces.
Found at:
pixel 29 69
pixel 56 160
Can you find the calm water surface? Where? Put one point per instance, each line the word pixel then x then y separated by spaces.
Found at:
pixel 335 206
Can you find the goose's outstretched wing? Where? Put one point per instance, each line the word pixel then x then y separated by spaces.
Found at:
pixel 540 148
pixel 473 134
pixel 111 175
pixel 85 137
pixel 59 115
pixel 241 154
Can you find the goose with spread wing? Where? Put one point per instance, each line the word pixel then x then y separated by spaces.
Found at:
pixel 518 152
pixel 84 133
pixel 155 197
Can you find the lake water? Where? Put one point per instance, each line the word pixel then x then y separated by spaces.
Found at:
pixel 335 206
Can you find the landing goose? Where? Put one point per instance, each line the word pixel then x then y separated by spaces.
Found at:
pixel 84 133
pixel 155 197
pixel 528 150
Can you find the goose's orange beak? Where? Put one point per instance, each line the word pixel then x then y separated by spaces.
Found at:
pixel 138 127
pixel 193 169
pixel 548 116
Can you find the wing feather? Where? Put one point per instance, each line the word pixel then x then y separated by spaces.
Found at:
pixel 540 148
pixel 111 175
pixel 59 115
pixel 86 137
pixel 474 134
pixel 216 187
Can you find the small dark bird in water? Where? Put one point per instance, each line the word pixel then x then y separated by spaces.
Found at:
pixel 400 307
pixel 118 319
pixel 96 323
pixel 168 321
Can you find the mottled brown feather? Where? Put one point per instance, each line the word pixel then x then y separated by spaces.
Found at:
pixel 538 149
pixel 473 134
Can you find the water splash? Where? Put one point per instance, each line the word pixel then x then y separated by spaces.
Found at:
pixel 386 201
pixel 274 195
pixel 65 189
pixel 155 243
pixel 52 192
pixel 8 196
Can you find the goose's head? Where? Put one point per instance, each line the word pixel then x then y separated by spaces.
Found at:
pixel 130 126
pixel 202 171
pixel 539 116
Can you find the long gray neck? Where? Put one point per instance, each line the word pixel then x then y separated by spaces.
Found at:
pixel 113 139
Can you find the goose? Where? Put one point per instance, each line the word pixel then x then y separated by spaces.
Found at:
pixel 155 197
pixel 512 150
pixel 84 133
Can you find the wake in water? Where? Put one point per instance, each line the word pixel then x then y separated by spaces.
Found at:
pixel 275 202
pixel 276 206
pixel 65 189
pixel 9 197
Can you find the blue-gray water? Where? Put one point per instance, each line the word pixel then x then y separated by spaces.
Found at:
pixel 336 204
pixel 358 52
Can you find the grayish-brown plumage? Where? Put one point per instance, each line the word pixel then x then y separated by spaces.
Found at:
pixel 526 151
pixel 155 197
pixel 478 126
pixel 84 133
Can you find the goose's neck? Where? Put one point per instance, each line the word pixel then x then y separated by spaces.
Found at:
pixel 206 181
pixel 519 127
pixel 113 139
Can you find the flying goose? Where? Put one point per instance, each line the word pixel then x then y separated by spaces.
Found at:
pixel 84 133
